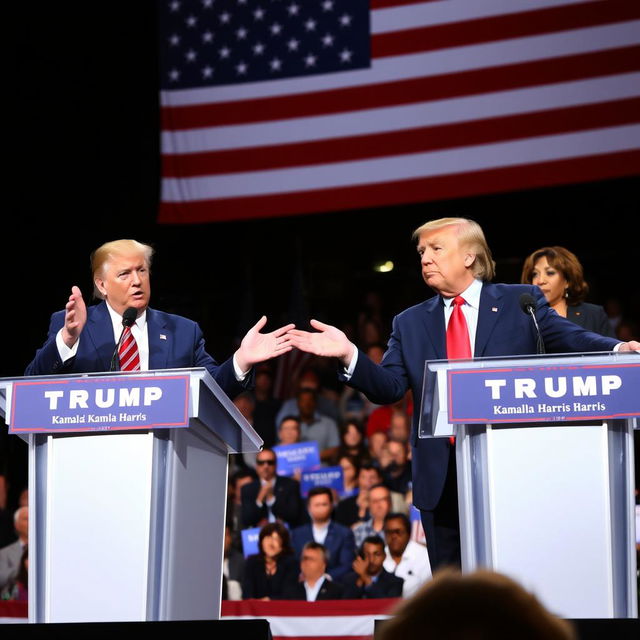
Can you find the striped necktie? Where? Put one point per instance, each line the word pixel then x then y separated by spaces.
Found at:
pixel 128 352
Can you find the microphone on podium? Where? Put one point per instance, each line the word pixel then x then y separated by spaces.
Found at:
pixel 528 306
pixel 128 318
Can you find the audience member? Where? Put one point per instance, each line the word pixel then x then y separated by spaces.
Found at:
pixel 405 558
pixel 265 405
pixel 270 497
pixel 17 588
pixel 400 427
pixel 315 426
pixel 314 584
pixel 238 479
pixel 233 567
pixel 355 509
pixel 482 605
pixel 397 474
pixel 289 430
pixel 274 570
pixel 350 469
pixel 380 419
pixel 336 538
pixel 369 579
pixel 377 448
pixel 379 507
pixel 11 555
pixel 245 404
pixel 309 379
pixel 352 441
pixel 354 404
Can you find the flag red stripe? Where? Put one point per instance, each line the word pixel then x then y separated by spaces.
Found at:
pixel 404 91
pixel 260 608
pixel 400 142
pixel 598 167
pixel 515 25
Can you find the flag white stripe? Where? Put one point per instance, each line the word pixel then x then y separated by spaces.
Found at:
pixel 319 625
pixel 434 13
pixel 424 65
pixel 421 114
pixel 406 166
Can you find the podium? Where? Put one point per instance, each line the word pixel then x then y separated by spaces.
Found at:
pixel 545 470
pixel 127 489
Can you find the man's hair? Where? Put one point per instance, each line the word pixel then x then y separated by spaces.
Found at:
pixel 368 466
pixel 380 486
pixel 265 449
pixel 377 540
pixel 102 254
pixel 289 417
pixel 312 544
pixel 482 604
pixel 567 264
pixel 471 236
pixel 320 491
pixel 399 516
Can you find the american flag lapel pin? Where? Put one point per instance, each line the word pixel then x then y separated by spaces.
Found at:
pixel 494 309
pixel 163 336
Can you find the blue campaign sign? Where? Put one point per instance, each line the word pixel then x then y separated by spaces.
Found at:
pixel 109 403
pixel 250 541
pixel 543 393
pixel 331 477
pixel 301 456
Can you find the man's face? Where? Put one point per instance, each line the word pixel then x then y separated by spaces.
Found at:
pixel 320 508
pixel 289 432
pixel 22 522
pixel 124 282
pixel 396 535
pixel 397 452
pixel 312 564
pixel 266 465
pixel 374 555
pixel 367 478
pixel 306 404
pixel 379 502
pixel 445 264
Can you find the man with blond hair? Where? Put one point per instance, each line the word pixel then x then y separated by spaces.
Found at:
pixel 456 263
pixel 83 339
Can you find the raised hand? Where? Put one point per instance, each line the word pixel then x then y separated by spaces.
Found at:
pixel 328 341
pixel 75 317
pixel 258 347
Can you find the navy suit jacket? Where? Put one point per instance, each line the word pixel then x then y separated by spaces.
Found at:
pixel 288 505
pixel 339 544
pixel 386 586
pixel 418 335
pixel 174 342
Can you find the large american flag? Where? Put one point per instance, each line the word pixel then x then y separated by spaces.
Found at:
pixel 279 107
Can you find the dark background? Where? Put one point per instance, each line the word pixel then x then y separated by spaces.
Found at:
pixel 83 156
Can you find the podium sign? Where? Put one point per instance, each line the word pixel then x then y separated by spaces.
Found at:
pixel 110 403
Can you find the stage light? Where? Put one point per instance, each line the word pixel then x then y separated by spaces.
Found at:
pixel 383 267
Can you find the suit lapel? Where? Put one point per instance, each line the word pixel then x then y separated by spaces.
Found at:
pixel 433 320
pixel 488 314
pixel 158 340
pixel 99 331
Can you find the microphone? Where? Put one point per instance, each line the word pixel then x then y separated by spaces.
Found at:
pixel 528 306
pixel 128 318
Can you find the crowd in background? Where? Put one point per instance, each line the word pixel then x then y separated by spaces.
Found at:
pixel 283 540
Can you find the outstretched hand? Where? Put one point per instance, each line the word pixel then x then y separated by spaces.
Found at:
pixel 258 347
pixel 75 317
pixel 328 341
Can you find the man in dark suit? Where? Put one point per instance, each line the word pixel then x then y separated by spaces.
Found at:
pixel 456 263
pixel 84 339
pixel 270 497
pixel 369 579
pixel 314 585
pixel 336 538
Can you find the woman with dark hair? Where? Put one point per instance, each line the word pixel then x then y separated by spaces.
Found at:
pixel 274 569
pixel 560 276
pixel 350 469
pixel 352 442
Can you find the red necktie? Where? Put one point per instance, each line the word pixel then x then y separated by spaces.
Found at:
pixel 128 352
pixel 458 345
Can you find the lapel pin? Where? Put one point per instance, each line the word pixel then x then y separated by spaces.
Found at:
pixel 163 337
pixel 494 309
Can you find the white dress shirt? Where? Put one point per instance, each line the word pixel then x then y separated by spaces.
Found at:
pixel 414 567
pixel 312 592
